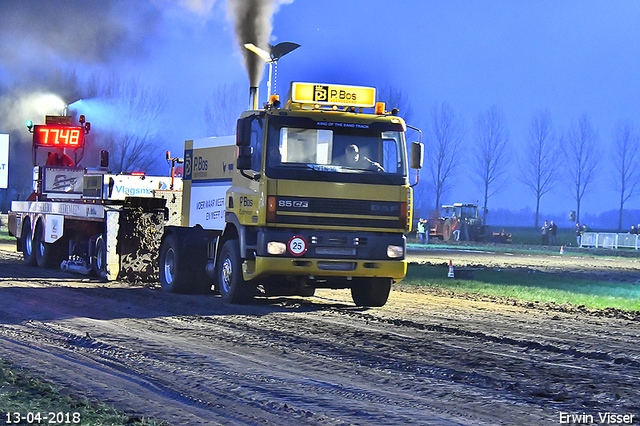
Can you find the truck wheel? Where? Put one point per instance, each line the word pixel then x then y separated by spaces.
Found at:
pixel 231 284
pixel 44 252
pixel 175 274
pixel 28 253
pixel 373 292
pixel 99 262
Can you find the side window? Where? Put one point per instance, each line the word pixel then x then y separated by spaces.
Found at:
pixel 257 137
pixel 390 159
pixel 306 145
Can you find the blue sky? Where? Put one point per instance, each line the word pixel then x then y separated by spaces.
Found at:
pixel 570 57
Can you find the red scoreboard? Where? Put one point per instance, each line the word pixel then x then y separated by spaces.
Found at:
pixel 51 135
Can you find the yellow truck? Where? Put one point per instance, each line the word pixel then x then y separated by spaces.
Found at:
pixel 311 194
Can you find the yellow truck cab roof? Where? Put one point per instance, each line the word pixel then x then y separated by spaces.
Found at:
pixel 330 102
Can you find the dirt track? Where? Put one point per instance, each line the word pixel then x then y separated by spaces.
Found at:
pixel 421 359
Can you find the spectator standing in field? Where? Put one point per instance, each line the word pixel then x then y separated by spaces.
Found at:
pixel 578 233
pixel 545 233
pixel 633 230
pixel 421 230
pixel 426 230
pixel 465 230
pixel 553 230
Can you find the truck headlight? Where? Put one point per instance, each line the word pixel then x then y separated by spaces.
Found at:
pixel 395 251
pixel 276 247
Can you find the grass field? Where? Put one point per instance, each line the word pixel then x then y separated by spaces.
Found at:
pixel 532 286
pixel 5 237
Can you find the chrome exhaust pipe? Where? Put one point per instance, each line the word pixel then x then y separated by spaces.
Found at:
pixel 253 98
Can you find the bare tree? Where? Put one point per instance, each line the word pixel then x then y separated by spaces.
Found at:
pixel 130 151
pixel 491 150
pixel 581 154
pixel 223 108
pixel 541 157
pixel 397 98
pixel 132 140
pixel 445 146
pixel 625 157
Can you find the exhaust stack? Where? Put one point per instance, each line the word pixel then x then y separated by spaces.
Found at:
pixel 253 98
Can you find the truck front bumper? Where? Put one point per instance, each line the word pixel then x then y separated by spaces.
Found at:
pixel 323 268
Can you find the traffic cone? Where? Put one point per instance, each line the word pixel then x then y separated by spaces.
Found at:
pixel 561 249
pixel 450 274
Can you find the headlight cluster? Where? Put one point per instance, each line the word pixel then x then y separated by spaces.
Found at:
pixel 276 247
pixel 395 251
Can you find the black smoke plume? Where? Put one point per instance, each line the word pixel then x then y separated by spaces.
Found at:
pixel 252 21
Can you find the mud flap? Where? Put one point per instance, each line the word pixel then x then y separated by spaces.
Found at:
pixel 139 235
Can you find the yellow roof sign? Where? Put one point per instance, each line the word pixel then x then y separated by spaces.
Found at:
pixel 331 94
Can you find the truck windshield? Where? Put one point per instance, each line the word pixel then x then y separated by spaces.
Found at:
pixel 336 151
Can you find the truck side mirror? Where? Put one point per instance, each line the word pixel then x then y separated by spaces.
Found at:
pixel 243 133
pixel 417 155
pixel 244 157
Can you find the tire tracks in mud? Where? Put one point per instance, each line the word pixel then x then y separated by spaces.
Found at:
pixel 264 393
pixel 521 371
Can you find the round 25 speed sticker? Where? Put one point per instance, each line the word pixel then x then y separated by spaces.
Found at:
pixel 297 245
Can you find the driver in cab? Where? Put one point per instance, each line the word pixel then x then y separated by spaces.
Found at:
pixel 351 158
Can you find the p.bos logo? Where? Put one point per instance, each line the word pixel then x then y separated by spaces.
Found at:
pixel 187 165
pixel 320 93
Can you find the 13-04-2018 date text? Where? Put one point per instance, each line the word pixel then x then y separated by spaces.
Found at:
pixel 46 417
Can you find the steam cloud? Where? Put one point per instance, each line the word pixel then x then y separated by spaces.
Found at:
pixel 17 107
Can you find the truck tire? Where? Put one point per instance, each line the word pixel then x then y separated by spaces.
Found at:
pixel 28 252
pixel 231 284
pixel 175 271
pixel 44 252
pixel 372 292
pixel 99 261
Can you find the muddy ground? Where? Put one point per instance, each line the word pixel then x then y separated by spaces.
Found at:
pixel 424 358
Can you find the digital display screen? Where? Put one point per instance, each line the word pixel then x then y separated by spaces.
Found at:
pixel 63 136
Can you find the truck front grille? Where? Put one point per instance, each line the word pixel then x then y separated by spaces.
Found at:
pixel 338 212
pixel 336 251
